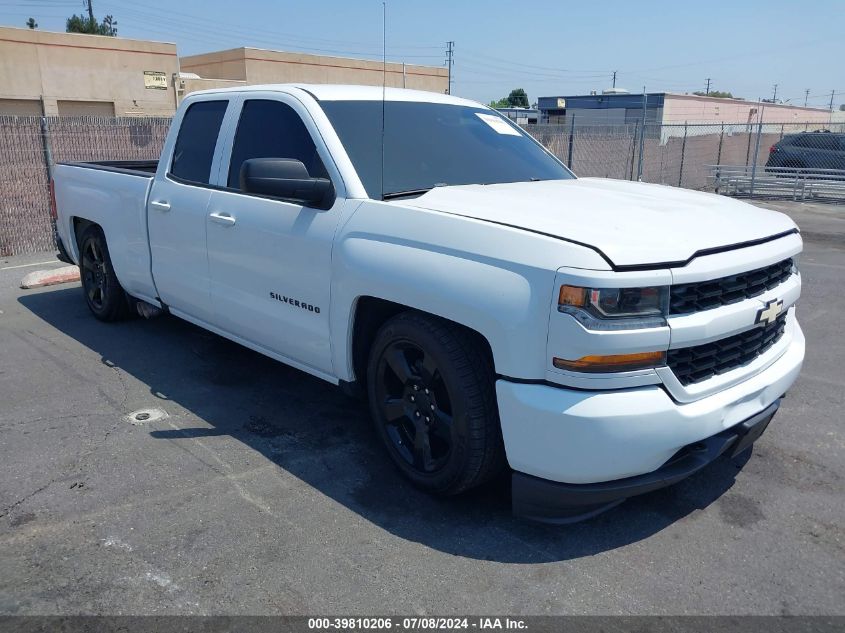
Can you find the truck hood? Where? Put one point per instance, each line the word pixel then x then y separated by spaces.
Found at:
pixel 630 223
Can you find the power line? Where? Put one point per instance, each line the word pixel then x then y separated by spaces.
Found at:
pixel 229 28
pixel 471 62
pixel 468 61
pixel 253 36
pixel 508 62
pixel 755 53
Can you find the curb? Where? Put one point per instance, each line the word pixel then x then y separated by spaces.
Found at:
pixel 39 278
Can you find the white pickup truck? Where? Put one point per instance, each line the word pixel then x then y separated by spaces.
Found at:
pixel 601 338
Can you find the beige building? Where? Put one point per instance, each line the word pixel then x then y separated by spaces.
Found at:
pixel 680 108
pixel 46 73
pixel 72 74
pixel 257 66
pixel 624 108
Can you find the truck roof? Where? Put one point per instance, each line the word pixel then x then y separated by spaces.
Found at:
pixel 343 92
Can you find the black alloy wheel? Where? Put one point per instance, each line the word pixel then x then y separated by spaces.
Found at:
pixel 430 384
pixel 103 293
pixel 416 406
pixel 94 278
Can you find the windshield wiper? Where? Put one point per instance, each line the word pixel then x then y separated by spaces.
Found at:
pixel 404 194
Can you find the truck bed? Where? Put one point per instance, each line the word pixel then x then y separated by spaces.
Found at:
pixel 112 194
pixel 145 168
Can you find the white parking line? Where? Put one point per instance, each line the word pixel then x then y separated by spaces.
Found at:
pixel 52 261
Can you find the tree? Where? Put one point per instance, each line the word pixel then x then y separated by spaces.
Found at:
pixel 518 99
pixel 109 26
pixel 81 24
pixel 32 24
pixel 714 93
pixel 842 107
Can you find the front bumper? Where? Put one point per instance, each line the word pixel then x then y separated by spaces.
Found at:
pixel 586 437
pixel 552 502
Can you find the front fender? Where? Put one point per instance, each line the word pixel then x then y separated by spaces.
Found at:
pixel 495 280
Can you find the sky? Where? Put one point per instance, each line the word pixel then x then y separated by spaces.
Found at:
pixel 547 48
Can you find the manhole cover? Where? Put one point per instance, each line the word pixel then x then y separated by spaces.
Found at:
pixel 145 416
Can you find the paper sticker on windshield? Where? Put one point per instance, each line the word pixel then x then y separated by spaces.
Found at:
pixel 497 123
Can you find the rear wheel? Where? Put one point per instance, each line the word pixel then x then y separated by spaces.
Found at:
pixel 430 386
pixel 103 292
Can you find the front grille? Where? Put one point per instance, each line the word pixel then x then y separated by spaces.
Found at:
pixel 694 364
pixel 705 295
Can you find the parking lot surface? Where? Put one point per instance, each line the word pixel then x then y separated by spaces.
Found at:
pixel 264 490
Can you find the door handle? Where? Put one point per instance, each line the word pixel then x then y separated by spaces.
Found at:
pixel 161 205
pixel 222 218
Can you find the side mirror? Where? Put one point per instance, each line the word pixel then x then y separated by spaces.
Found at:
pixel 283 178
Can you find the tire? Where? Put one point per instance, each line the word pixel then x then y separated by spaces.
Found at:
pixel 103 293
pixel 431 393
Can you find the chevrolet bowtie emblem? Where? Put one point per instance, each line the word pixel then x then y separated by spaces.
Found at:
pixel 768 314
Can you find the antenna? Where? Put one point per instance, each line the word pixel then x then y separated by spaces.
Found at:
pixel 383 84
pixel 450 60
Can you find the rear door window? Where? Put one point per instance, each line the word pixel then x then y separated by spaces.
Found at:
pixel 816 141
pixel 194 150
pixel 825 141
pixel 272 129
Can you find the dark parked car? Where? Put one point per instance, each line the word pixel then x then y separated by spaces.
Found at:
pixel 810 150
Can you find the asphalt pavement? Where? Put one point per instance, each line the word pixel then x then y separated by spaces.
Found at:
pixel 251 487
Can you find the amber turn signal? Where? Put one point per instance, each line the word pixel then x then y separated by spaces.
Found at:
pixel 572 296
pixel 616 362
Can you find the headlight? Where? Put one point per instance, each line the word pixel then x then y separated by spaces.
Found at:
pixel 615 308
pixel 795 268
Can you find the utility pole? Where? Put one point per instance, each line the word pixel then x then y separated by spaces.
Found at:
pixel 806 95
pixel 775 94
pixel 614 78
pixel 832 92
pixel 90 11
pixel 450 60
pixel 707 90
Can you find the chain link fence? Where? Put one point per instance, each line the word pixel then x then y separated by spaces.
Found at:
pixel 751 159
pixel 29 146
pixel 733 159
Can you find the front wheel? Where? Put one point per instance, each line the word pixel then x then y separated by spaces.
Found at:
pixel 431 392
pixel 103 293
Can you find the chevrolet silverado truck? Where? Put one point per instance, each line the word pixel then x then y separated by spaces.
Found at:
pixel 599 338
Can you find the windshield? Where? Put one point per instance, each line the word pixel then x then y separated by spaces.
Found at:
pixel 435 144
